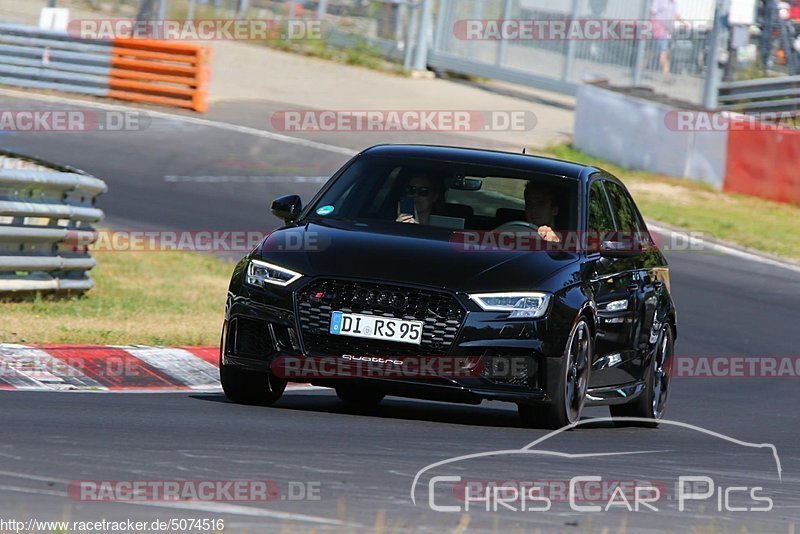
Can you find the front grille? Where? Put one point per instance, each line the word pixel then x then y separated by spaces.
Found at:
pixel 440 312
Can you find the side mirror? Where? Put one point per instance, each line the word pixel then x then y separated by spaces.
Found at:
pixel 620 249
pixel 287 208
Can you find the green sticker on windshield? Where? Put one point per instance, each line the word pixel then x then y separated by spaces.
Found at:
pixel 325 210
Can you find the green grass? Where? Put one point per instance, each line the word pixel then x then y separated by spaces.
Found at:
pixel 362 54
pixel 158 298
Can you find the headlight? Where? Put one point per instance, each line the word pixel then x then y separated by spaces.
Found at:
pixel 617 305
pixel 520 305
pixel 261 272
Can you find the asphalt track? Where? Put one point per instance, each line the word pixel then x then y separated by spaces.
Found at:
pixel 364 462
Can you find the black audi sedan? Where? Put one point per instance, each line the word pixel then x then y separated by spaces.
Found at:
pixel 457 275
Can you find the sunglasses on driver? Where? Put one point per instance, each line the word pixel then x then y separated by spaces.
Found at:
pixel 418 191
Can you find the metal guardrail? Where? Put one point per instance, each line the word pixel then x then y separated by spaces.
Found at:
pixel 139 70
pixel 41 59
pixel 46 217
pixel 761 95
pixel 387 28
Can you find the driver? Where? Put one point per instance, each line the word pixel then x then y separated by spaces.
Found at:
pixel 541 209
pixel 428 193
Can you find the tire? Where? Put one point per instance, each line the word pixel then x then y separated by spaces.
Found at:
pixel 653 400
pixel 248 387
pixel 362 397
pixel 569 396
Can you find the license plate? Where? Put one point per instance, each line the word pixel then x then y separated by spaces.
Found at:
pixel 372 327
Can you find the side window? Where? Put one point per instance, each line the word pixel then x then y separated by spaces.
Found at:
pixel 600 220
pixel 624 212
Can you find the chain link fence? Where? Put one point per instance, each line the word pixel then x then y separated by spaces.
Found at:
pixel 387 27
pixel 625 60
pixel 393 29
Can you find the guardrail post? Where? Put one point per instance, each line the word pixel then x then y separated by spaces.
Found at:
pixel 421 52
pixel 442 16
pixel 502 48
pixel 641 46
pixel 146 10
pixel 413 27
pixel 477 14
pixel 322 9
pixel 765 46
pixel 788 49
pixel 569 58
pixel 713 70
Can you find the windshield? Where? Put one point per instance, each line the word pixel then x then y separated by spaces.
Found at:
pixel 448 195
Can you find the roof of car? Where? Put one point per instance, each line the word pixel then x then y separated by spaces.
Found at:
pixel 485 157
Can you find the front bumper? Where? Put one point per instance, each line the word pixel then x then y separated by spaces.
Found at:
pixel 512 360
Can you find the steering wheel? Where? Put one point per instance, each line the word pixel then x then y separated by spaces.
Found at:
pixel 516 225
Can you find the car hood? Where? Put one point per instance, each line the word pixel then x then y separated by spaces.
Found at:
pixel 407 253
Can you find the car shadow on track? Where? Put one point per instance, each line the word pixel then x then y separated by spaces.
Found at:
pixel 504 415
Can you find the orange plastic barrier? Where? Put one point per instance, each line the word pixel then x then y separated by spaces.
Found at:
pixel 764 163
pixel 160 72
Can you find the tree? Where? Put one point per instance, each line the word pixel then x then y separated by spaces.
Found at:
pixel 148 10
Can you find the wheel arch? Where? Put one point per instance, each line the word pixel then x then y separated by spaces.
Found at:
pixel 672 320
pixel 588 311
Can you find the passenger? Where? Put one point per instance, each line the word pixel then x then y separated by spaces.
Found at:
pixel 541 209
pixel 428 196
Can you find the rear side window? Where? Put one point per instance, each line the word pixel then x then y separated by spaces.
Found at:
pixel 624 212
pixel 600 223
